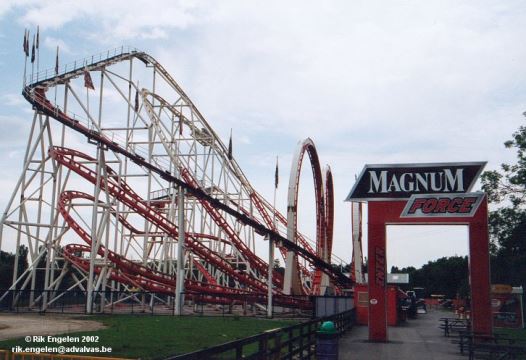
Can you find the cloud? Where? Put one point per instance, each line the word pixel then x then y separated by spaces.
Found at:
pixel 370 82
pixel 15 100
pixel 13 132
pixel 52 43
pixel 8 5
pixel 343 70
pixel 118 19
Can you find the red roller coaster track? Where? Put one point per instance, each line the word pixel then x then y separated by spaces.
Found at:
pixel 136 275
pixel 324 200
pixel 120 190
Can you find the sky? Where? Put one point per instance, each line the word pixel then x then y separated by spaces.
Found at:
pixel 369 81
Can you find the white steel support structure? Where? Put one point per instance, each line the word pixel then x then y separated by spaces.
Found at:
pixel 356 214
pixel 179 287
pixel 81 234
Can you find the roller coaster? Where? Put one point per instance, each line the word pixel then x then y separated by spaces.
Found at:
pixel 154 195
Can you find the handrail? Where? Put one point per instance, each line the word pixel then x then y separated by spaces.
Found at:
pixel 50 73
pixel 298 340
pixel 499 346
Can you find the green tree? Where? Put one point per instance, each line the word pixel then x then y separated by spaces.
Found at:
pixel 7 264
pixel 446 276
pixel 506 189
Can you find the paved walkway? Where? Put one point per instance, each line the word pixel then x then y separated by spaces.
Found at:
pixel 17 325
pixel 415 339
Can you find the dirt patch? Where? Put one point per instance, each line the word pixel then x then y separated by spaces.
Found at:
pixel 16 325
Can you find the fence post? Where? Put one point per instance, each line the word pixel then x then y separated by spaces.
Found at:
pixel 291 345
pixel 239 352
pixel 310 342
pixel 152 295
pixel 470 345
pixel 277 346
pixel 301 342
pixel 263 346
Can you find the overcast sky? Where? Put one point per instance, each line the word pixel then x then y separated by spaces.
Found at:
pixel 368 81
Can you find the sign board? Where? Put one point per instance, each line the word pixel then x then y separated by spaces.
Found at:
pixel 400 278
pixel 501 289
pixel 507 310
pixel 401 181
pixel 443 205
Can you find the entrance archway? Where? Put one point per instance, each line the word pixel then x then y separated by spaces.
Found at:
pixel 424 194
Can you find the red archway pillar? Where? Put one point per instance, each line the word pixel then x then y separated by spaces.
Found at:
pixel 376 277
pixel 382 213
pixel 479 272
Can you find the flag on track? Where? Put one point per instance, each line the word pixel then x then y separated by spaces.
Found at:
pixel 136 106
pixel 38 37
pixel 230 146
pixel 88 83
pixel 56 63
pixel 33 50
pixel 276 175
pixel 181 123
pixel 26 42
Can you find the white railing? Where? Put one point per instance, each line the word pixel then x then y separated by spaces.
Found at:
pixel 78 64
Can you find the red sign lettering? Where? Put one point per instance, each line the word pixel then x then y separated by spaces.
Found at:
pixel 463 205
pixel 379 270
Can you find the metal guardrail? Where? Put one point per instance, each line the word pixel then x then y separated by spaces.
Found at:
pixel 293 342
pixel 146 302
pixel 45 74
pixel 490 347
pixel 450 325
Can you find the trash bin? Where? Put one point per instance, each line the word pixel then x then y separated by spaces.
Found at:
pixel 327 342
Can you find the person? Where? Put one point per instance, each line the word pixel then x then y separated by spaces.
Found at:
pixel 412 308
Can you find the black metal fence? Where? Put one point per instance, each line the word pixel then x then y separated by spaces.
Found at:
pixel 293 342
pixel 481 346
pixel 142 302
pixel 72 301
pixel 496 347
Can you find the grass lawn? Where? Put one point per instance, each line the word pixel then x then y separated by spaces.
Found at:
pixel 150 337
pixel 518 334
